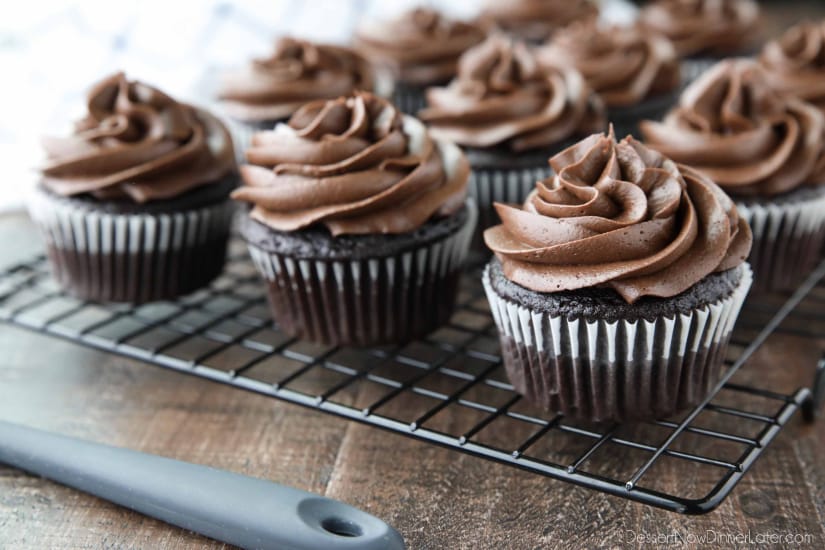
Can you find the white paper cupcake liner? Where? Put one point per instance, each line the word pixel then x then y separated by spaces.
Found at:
pixel 409 99
pixel 599 371
pixel 693 68
pixel 788 239
pixel 390 299
pixel 625 120
pixel 133 258
pixel 490 185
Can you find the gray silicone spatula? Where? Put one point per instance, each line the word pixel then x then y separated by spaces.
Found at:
pixel 240 510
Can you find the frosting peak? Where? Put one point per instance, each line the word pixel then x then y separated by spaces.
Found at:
pixel 295 73
pixel 536 20
pixel 355 165
pixel 502 97
pixel 716 27
pixel 498 66
pixel 137 143
pixel 623 216
pixel 748 138
pixel 421 47
pixel 623 64
pixel 796 62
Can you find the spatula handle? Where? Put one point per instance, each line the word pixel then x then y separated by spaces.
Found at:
pixel 240 510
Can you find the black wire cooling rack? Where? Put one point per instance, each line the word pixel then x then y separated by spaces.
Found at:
pixel 450 388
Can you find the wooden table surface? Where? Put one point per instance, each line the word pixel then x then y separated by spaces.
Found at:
pixel 434 497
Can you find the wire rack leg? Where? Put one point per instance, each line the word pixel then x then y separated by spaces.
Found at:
pixel 812 405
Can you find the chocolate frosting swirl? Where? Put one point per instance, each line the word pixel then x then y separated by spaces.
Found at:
pixel 503 98
pixel 796 62
pixel 623 64
pixel 749 139
pixel 355 165
pixel 137 143
pixel 537 20
pixel 296 72
pixel 619 215
pixel 713 27
pixel 421 47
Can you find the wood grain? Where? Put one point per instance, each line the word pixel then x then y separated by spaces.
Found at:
pixel 434 497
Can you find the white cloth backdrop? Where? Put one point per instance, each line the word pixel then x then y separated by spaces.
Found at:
pixel 51 50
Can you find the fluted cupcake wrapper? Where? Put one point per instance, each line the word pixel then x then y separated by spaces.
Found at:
pixel 788 240
pixel 625 120
pixel 409 99
pixel 693 68
pixel 491 185
pixel 135 258
pixel 388 299
pixel 599 371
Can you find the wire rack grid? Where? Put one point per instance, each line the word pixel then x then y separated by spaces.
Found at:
pixel 449 388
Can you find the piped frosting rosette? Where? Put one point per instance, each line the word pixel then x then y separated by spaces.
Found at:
pixel 368 221
pixel 704 27
pixel 636 72
pixel 795 62
pixel 623 216
pixel 765 149
pixel 751 140
pixel 623 64
pixel 296 72
pixel 618 217
pixel 355 165
pixel 272 88
pixel 536 20
pixel 511 113
pixel 421 47
pixel 502 97
pixel 139 144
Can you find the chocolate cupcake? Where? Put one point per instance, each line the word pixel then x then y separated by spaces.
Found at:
pixel 510 115
pixel 360 223
pixel 419 48
pixel 617 284
pixel 635 72
pixel 704 31
pixel 134 205
pixel 795 62
pixel 536 20
pixel 766 151
pixel 271 89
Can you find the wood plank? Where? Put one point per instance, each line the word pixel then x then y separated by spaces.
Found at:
pixel 121 402
pixel 435 497
pixel 809 447
pixel 440 499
